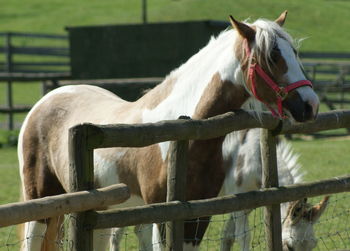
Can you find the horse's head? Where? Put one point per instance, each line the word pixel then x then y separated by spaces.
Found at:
pixel 297 228
pixel 273 71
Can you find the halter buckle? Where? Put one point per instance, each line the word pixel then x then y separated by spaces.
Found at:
pixel 282 93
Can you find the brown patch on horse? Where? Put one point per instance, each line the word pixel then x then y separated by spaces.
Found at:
pixel 206 170
pixel 39 177
pixel 156 95
pixel 54 233
pixel 220 96
pixel 145 173
pixel 239 167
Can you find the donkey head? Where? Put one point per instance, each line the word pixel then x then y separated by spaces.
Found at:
pixel 272 70
pixel 297 229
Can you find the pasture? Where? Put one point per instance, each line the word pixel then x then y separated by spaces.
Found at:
pixel 307 19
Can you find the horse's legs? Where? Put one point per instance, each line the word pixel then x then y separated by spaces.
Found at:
pixel 54 234
pixel 33 235
pixel 228 234
pixel 101 239
pixel 157 243
pixel 144 235
pixel 242 229
pixel 117 235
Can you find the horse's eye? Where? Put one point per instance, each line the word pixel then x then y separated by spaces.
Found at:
pixel 275 54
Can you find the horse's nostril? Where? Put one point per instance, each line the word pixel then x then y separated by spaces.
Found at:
pixel 308 111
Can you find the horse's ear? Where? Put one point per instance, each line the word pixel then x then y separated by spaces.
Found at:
pixel 282 18
pixel 314 213
pixel 244 30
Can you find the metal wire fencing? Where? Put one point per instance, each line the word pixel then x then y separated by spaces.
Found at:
pixel 332 231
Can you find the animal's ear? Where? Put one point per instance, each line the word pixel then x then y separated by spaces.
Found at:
pixel 314 213
pixel 244 30
pixel 282 18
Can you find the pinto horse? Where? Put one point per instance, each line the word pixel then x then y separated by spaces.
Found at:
pixel 251 60
pixel 245 174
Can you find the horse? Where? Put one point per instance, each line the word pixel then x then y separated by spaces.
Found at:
pixel 245 174
pixel 255 61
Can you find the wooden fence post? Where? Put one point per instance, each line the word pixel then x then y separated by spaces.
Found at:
pixel 9 68
pixel 176 190
pixel 81 178
pixel 273 227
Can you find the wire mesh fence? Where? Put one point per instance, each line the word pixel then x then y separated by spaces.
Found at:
pixel 332 231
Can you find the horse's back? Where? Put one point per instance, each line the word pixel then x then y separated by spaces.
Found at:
pixel 43 139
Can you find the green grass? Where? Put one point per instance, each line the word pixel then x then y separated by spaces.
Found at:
pixel 325 23
pixel 324 158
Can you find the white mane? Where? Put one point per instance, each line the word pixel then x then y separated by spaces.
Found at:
pixel 288 163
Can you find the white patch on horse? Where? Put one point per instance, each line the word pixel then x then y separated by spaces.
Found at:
pixel 295 74
pixel 34 234
pixel 105 168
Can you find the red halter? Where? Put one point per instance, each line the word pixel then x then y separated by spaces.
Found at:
pixel 281 92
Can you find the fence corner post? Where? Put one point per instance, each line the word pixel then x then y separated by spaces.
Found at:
pixel 81 177
pixel 176 190
pixel 272 213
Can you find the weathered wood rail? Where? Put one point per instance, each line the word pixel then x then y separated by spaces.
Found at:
pixel 86 137
pixel 139 135
pixel 15 213
pixel 178 210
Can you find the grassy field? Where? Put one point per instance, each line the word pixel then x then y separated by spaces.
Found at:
pixel 325 23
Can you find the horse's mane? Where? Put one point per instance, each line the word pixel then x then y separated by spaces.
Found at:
pixel 288 164
pixel 265 38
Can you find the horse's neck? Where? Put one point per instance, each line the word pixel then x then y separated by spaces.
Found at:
pixel 208 84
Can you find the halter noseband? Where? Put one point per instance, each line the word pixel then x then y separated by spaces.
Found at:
pixel 281 92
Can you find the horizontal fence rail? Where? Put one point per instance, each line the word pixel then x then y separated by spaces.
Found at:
pixel 34 35
pixel 47 207
pixel 23 77
pixel 176 210
pixel 140 135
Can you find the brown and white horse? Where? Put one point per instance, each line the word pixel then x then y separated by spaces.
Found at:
pixel 245 174
pixel 219 78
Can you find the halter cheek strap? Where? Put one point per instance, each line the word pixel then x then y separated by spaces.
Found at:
pixel 281 92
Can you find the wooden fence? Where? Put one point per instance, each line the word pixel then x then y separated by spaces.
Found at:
pixel 16 213
pixel 30 61
pixel 84 138
pixel 87 137
pixel 329 71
